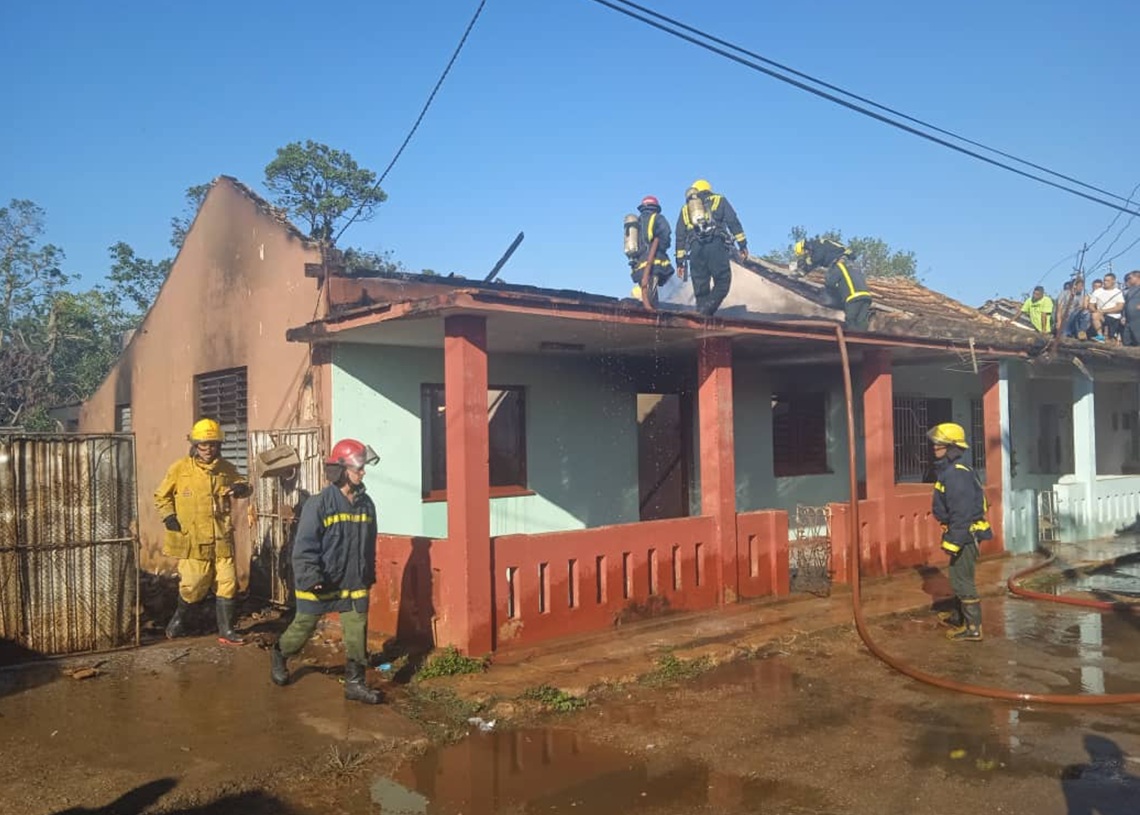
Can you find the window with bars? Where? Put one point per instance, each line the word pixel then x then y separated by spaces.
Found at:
pixel 506 417
pixel 123 419
pixel 799 434
pixel 978 434
pixel 914 415
pixel 221 396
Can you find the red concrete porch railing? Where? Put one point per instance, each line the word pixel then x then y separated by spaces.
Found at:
pixel 561 583
pixel 900 535
pixel 407 599
pixel 762 554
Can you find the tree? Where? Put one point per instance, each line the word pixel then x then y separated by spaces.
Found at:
pixel 135 281
pixel 363 260
pixel 875 255
pixel 322 186
pixel 180 224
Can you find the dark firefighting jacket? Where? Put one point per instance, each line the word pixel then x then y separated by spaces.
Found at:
pixel 844 280
pixel 726 226
pixel 959 505
pixel 653 225
pixel 335 548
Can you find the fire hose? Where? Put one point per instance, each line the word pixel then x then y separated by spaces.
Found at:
pixel 922 676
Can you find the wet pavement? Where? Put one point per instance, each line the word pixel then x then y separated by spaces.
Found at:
pixel 814 724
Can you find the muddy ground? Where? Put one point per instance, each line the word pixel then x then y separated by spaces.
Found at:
pixel 809 724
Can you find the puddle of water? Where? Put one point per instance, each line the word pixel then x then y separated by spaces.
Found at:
pixel 563 771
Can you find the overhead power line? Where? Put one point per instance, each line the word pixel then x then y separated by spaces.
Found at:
pixel 423 112
pixel 653 19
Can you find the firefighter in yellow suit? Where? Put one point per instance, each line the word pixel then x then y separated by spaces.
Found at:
pixel 195 502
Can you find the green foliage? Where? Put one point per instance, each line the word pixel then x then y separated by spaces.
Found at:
pixel 322 187
pixel 363 260
pixel 180 224
pixel 449 662
pixel 670 669
pixel 135 281
pixel 554 699
pixel 441 711
pixel 875 255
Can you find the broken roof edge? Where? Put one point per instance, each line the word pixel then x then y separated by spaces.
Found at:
pixel 278 214
pixel 482 300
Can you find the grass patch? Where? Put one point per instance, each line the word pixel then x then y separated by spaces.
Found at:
pixel 449 662
pixel 554 699
pixel 670 669
pixel 441 711
pixel 344 764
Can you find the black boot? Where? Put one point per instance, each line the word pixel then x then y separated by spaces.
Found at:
pixel 971 631
pixel 952 618
pixel 177 625
pixel 355 689
pixel 226 633
pixel 278 666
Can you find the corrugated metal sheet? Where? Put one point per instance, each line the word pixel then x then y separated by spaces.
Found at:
pixel 277 503
pixel 68 543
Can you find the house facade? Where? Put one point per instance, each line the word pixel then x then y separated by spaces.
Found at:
pixel 554 462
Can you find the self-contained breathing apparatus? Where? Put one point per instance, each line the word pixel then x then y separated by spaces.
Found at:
pixel 632 241
pixel 700 217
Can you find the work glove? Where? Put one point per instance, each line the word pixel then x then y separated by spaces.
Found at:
pixel 171 523
pixel 680 271
pixel 240 490
pixel 744 250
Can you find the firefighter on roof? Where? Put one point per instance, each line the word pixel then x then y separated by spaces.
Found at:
pixel 844 281
pixel 706 230
pixel 960 506
pixel 640 232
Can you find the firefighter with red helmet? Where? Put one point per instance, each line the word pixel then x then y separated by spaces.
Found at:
pixel 334 564
pixel 194 501
pixel 650 225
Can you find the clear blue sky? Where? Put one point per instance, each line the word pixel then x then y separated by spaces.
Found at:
pixel 561 114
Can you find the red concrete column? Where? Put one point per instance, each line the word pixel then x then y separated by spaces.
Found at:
pixel 878 423
pixel 718 457
pixel 470 583
pixel 995 465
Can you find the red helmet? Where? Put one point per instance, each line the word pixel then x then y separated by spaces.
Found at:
pixel 351 453
pixel 650 201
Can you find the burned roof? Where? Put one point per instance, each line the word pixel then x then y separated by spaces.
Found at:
pixel 276 213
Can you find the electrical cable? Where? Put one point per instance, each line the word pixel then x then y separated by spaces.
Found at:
pixel 865 100
pixel 864 111
pixel 1119 254
pixel 1112 223
pixel 854 558
pixel 420 118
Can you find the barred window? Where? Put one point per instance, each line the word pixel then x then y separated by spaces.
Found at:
pixel 221 396
pixel 978 434
pixel 914 415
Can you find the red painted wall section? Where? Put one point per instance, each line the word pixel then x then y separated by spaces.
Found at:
pixel 762 544
pixel 995 464
pixel 468 485
pixel 408 600
pixel 878 423
pixel 562 583
pixel 717 456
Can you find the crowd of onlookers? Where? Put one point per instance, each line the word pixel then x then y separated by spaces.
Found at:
pixel 1106 313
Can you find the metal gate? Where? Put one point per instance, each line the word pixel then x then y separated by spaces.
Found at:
pixel 68 542
pixel 809 550
pixel 277 501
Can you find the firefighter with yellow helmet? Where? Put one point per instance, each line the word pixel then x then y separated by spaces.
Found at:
pixel 960 506
pixel 195 502
pixel 707 228
pixel 844 280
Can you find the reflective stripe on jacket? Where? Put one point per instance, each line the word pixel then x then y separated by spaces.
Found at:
pixel 335 548
pixel 727 225
pixel 193 491
pixel 960 505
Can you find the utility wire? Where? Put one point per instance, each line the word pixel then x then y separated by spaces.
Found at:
pixel 871 102
pixel 650 21
pixel 420 118
pixel 1048 271
pixel 1100 261
pixel 1119 254
pixel 1115 218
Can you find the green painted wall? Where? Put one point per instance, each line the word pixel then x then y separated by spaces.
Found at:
pixel 581 436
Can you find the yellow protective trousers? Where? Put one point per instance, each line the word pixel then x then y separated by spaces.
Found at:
pixel 197 577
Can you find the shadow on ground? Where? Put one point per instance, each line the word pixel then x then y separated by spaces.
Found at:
pixel 141 798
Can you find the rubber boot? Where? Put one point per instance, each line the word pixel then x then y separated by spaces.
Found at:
pixel 355 689
pixel 972 615
pixel 177 625
pixel 226 633
pixel 953 618
pixel 278 666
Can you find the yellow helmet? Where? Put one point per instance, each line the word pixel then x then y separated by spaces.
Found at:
pixel 799 248
pixel 948 434
pixel 206 430
pixel 700 185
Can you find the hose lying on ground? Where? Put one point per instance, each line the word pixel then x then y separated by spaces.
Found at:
pixel 914 673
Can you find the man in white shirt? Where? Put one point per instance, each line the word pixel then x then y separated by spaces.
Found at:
pixel 1109 302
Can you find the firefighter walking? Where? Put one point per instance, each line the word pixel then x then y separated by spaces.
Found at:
pixel 706 230
pixel 641 231
pixel 844 280
pixel 194 501
pixel 334 564
pixel 960 506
